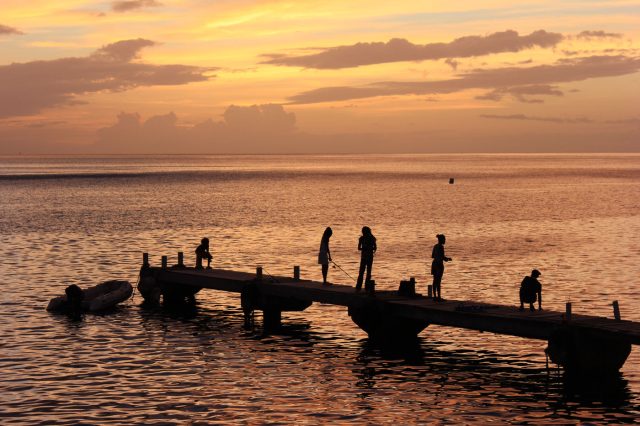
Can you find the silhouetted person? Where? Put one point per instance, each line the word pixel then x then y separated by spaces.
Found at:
pixel 75 296
pixel 437 265
pixel 202 252
pixel 367 246
pixel 324 255
pixel 530 290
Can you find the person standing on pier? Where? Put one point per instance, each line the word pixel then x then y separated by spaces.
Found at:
pixel 437 265
pixel 202 252
pixel 530 290
pixel 367 246
pixel 324 255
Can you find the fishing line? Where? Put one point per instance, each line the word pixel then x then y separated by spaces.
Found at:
pixel 345 272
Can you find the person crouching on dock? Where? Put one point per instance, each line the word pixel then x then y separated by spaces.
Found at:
pixel 202 252
pixel 324 255
pixel 530 290
pixel 437 265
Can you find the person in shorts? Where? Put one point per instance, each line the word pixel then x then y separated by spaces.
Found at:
pixel 530 291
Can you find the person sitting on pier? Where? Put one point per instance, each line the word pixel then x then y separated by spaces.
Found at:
pixel 324 255
pixel 367 246
pixel 202 252
pixel 530 290
pixel 437 265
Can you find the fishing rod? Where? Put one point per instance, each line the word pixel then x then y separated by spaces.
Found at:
pixel 270 276
pixel 345 272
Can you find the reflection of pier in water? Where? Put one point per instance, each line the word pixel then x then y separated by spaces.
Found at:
pixel 582 343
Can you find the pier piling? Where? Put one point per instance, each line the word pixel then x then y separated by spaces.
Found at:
pixel 616 310
pixel 296 273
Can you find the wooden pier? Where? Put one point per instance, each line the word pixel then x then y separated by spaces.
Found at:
pixel 581 343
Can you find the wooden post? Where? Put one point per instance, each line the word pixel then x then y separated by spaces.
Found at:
pixel 616 310
pixel 180 259
pixel 145 260
pixel 164 262
pixel 296 273
pixel 429 291
pixel 567 313
pixel 259 273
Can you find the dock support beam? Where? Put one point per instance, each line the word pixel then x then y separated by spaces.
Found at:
pixel 384 327
pixel 252 298
pixel 582 352
pixel 272 318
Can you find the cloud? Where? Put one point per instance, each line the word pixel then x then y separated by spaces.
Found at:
pixel 9 30
pixel 452 63
pixel 45 123
pixel 28 88
pixel 129 5
pixel 122 51
pixel 522 93
pixel 634 121
pixel 273 130
pixel 505 79
pixel 268 118
pixel 399 49
pixel 257 128
pixel 559 120
pixel 589 35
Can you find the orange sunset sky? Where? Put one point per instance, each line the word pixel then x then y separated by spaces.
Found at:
pixel 271 76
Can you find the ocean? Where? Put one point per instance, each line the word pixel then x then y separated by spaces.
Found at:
pixel 86 219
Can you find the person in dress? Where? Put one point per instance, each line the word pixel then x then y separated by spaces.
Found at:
pixel 437 265
pixel 324 255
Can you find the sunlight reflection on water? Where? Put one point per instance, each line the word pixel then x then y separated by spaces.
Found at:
pixel 573 217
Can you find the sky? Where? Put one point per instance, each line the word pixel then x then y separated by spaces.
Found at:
pixel 284 76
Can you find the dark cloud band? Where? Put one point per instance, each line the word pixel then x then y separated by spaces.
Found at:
pixel 129 5
pixel 399 49
pixel 34 86
pixel 4 29
pixel 521 81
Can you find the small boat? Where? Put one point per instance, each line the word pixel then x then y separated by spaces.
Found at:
pixel 97 298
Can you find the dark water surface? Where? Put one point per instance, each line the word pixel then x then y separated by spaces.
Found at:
pixel 84 220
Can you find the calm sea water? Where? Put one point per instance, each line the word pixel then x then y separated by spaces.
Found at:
pixel 84 220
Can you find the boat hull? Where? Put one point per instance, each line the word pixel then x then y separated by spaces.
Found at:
pixel 97 298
